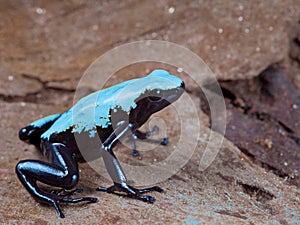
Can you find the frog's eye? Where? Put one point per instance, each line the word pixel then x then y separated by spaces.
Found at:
pixel 154 98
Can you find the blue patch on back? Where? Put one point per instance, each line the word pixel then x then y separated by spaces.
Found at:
pixel 93 110
pixel 41 122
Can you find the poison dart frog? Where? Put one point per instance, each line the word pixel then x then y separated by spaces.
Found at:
pixel 107 115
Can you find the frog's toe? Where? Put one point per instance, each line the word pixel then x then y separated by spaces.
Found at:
pixel 81 199
pixel 131 191
pixel 58 210
pixel 146 190
pixel 135 153
pixel 164 141
pixel 59 199
pixel 63 196
pixel 146 198
pixel 64 192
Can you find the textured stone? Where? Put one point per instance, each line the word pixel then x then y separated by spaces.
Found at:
pixel 58 40
pixel 15 85
pixel 257 123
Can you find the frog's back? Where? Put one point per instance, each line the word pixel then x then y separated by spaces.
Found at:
pixel 88 113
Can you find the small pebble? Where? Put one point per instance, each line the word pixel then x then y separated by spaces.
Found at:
pixel 40 11
pixel 171 10
pixel 95 27
pixel 179 70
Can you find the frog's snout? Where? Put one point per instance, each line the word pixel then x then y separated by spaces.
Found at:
pixel 182 86
pixel 180 89
pixel 174 94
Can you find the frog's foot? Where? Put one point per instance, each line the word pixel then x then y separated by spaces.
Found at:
pixel 132 192
pixel 65 192
pixel 145 137
pixel 135 153
pixel 56 199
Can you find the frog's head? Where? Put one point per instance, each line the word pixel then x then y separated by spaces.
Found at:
pixel 158 90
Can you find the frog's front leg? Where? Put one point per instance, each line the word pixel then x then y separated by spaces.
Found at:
pixel 116 173
pixel 145 137
pixel 61 171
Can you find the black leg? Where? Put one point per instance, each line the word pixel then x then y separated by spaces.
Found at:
pixel 61 171
pixel 145 137
pixel 116 173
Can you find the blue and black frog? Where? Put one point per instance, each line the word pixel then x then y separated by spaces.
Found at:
pixel 109 115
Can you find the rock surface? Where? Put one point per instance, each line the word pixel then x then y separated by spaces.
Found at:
pixel 259 126
pixel 57 41
pixel 46 46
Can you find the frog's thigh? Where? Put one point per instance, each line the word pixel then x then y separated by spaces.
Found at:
pixel 60 171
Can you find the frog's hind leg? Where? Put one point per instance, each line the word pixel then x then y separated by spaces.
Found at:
pixel 60 171
pixel 145 137
pixel 32 132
